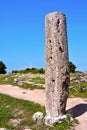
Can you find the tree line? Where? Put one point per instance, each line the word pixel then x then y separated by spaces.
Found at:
pixel 3 68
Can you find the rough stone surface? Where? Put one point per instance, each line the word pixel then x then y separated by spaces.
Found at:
pixel 57 69
pixel 38 116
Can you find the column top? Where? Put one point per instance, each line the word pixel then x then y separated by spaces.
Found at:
pixel 55 14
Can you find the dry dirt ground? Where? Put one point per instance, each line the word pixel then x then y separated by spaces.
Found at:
pixel 77 106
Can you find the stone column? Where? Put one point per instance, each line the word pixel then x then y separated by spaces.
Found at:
pixel 57 70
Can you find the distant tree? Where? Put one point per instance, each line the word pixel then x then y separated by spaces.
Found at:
pixel 72 67
pixel 41 70
pixel 14 71
pixel 2 68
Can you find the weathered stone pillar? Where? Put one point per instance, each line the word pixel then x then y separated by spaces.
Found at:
pixel 57 70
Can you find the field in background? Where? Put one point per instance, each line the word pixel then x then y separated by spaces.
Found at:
pixel 78 86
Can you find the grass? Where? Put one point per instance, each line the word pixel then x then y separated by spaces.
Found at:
pixel 74 93
pixel 15 109
pixel 62 126
pixel 10 80
pixel 6 79
pixel 31 86
pixel 11 108
pixel 83 84
pixel 38 80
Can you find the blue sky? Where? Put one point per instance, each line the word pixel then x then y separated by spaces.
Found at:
pixel 22 31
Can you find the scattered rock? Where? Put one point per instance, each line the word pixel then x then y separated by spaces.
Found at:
pixel 38 116
pixel 71 119
pixel 15 122
pixel 18 112
pixel 20 83
pixel 7 79
pixel 25 127
pixel 16 80
pixel 3 129
pixel 35 84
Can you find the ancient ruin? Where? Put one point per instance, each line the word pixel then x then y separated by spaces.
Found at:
pixel 57 70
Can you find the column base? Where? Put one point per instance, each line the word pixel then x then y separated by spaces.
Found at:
pixel 50 121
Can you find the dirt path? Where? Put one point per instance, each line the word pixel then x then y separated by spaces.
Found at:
pixel 77 106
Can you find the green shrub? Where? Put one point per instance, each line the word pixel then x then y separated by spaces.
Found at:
pixel 30 70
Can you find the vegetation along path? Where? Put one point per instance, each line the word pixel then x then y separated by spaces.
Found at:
pixel 77 106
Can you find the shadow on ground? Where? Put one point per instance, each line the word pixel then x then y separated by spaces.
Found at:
pixel 78 110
